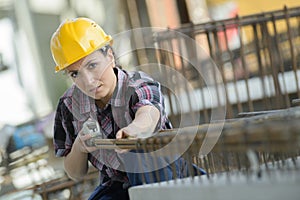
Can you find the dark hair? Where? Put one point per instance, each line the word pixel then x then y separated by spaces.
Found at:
pixel 104 50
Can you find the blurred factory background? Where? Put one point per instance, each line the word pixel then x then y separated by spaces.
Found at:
pixel 229 30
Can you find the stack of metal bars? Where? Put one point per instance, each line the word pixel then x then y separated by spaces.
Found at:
pixel 258 155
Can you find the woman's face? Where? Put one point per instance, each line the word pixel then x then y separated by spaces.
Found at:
pixel 94 74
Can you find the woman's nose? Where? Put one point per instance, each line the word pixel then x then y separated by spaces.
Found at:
pixel 88 78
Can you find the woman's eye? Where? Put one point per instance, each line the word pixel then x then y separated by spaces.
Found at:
pixel 73 74
pixel 92 65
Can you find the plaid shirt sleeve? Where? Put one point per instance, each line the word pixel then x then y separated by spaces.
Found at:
pixel 63 130
pixel 149 93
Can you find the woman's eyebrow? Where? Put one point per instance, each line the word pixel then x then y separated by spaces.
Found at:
pixel 89 62
pixel 69 71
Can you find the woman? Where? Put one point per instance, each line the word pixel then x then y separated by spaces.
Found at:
pixel 123 104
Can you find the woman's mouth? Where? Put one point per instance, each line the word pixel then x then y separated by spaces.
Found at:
pixel 93 90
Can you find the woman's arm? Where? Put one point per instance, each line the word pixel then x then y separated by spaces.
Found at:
pixel 76 162
pixel 143 125
pixel 76 157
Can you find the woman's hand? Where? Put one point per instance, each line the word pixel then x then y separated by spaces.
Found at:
pixel 143 125
pixel 130 131
pixel 82 142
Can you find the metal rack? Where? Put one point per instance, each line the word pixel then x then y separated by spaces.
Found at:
pixel 258 57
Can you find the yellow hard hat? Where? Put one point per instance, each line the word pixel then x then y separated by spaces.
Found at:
pixel 75 39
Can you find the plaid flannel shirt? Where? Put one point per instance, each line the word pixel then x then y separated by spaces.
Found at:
pixel 134 90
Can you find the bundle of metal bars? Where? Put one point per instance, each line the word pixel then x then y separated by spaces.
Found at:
pixel 272 135
pixel 259 147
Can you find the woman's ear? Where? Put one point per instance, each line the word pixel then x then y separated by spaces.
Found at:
pixel 110 53
pixel 111 56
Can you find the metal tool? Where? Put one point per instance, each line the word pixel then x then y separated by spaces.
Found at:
pixel 92 128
